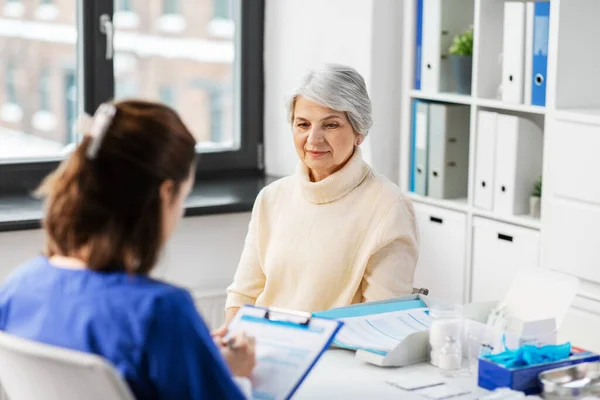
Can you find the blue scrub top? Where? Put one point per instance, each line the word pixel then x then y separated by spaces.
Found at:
pixel 148 329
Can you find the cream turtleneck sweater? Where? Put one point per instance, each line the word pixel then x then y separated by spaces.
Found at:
pixel 312 246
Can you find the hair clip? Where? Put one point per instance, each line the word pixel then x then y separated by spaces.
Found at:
pixel 99 125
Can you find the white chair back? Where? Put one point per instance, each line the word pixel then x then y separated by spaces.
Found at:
pixel 34 371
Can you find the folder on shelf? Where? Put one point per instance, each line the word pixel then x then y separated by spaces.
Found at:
pixel 441 23
pixel 420 147
pixel 528 71
pixel 418 44
pixel 541 26
pixel 485 160
pixel 392 332
pixel 519 145
pixel 513 60
pixel 448 160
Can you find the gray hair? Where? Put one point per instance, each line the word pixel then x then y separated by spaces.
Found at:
pixel 340 88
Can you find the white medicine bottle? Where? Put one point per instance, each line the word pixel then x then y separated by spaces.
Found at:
pixel 446 322
pixel 450 359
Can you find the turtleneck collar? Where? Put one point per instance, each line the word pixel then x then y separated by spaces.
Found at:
pixel 336 185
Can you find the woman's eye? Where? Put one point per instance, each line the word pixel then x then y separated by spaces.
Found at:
pixel 332 126
pixel 302 125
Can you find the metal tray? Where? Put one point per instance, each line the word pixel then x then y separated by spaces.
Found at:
pixel 572 382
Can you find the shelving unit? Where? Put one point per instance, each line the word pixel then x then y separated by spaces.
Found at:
pixel 502 106
pixel 442 97
pixel 460 204
pixel 586 116
pixel 453 98
pixel 566 236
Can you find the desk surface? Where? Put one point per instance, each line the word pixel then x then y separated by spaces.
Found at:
pixel 339 375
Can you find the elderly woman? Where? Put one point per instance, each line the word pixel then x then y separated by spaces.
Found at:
pixel 335 233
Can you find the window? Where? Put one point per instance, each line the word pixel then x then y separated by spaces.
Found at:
pixel 222 9
pixel 10 85
pixel 71 105
pixel 171 7
pixel 167 96
pixel 123 5
pixel 216 115
pixel 148 63
pixel 44 90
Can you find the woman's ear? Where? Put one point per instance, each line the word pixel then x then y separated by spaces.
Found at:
pixel 359 140
pixel 167 191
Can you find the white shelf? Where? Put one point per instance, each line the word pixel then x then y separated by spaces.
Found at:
pixel 442 97
pixel 460 204
pixel 584 115
pixel 520 220
pixel 500 105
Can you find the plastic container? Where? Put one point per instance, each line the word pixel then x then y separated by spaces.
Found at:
pixel 450 357
pixel 447 322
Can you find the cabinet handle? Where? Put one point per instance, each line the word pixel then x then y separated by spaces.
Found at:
pixel 436 220
pixel 505 237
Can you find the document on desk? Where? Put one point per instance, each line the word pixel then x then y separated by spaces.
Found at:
pixel 288 345
pixel 381 333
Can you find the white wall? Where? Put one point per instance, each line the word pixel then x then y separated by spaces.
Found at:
pixel 202 256
pixel 300 35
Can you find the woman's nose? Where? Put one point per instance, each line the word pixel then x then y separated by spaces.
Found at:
pixel 315 136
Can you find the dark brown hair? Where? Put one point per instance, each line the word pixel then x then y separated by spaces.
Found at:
pixel 110 205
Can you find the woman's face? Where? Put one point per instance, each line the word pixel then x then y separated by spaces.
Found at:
pixel 324 138
pixel 173 203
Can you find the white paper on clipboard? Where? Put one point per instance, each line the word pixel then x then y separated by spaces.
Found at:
pixel 287 347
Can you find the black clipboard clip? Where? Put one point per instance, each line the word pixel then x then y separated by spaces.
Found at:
pixel 281 315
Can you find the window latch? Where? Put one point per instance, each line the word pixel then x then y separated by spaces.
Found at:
pixel 107 28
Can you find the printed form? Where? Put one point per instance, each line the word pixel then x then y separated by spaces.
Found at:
pixel 285 351
pixel 382 332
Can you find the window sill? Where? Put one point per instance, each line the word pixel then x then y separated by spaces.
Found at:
pixel 221 28
pixel 171 23
pixel 210 197
pixel 47 12
pixel 14 9
pixel 126 20
pixel 11 113
pixel 44 121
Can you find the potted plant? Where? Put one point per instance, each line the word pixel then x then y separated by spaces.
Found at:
pixel 535 199
pixel 461 60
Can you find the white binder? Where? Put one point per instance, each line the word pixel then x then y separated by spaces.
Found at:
pixel 485 160
pixel 421 147
pixel 513 64
pixel 441 23
pixel 518 163
pixel 528 71
pixel 448 151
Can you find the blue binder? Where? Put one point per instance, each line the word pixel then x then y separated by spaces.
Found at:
pixel 419 44
pixel 376 307
pixel 413 147
pixel 541 24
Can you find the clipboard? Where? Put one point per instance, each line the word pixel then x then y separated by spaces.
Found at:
pixel 288 345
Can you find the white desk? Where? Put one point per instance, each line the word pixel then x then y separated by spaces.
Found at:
pixel 338 375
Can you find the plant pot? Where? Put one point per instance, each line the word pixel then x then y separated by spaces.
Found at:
pixel 535 205
pixel 462 67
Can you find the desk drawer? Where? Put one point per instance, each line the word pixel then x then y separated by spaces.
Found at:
pixel 572 239
pixel 575 161
pixel 499 252
pixel 441 266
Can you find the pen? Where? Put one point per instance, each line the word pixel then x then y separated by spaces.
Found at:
pixel 231 344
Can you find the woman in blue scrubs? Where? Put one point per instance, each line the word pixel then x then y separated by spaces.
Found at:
pixel 110 208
